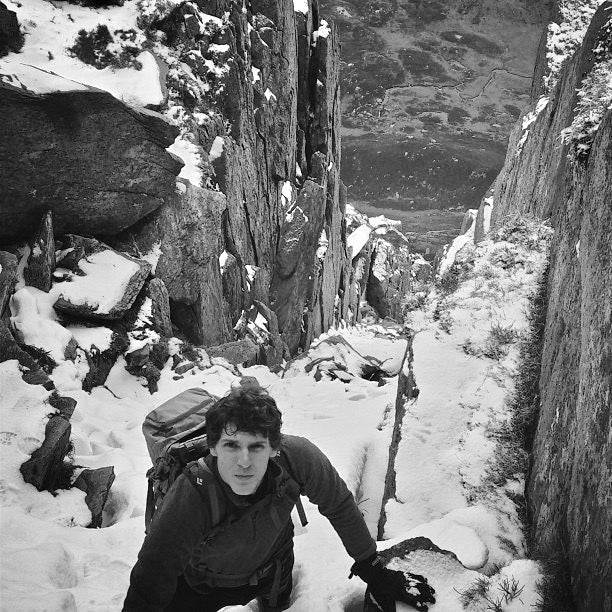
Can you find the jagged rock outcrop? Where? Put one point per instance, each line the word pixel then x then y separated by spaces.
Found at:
pixel 8 277
pixel 98 164
pixel 569 491
pixel 41 262
pixel 44 468
pixel 532 178
pixel 96 484
pixel 188 233
pixel 11 38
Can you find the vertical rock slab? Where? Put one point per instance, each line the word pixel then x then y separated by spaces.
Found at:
pixel 407 391
pixel 11 38
pixel 295 272
pixel 188 233
pixel 41 262
pixel 43 468
pixel 8 277
pixel 569 489
pixel 96 484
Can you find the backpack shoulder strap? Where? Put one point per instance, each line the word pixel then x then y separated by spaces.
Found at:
pixel 285 464
pixel 205 482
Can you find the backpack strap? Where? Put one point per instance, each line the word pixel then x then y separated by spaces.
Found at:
pixel 298 502
pixel 202 478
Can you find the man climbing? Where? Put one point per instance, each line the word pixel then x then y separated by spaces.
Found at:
pixel 224 533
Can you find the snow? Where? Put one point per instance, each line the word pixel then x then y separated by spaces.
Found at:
pixel 216 149
pixel 300 6
pixel 445 447
pixel 256 73
pixel 155 253
pixel 564 37
pixel 88 337
pixel 450 251
pixel 487 205
pixel 357 239
pixel 528 119
pixel 269 95
pixel 190 155
pixel 107 275
pixel 286 194
pixel 46 48
pixel 35 321
pixel 323 31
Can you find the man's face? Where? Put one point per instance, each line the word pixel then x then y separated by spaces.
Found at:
pixel 242 459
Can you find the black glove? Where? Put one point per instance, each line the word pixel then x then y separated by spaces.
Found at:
pixel 388 586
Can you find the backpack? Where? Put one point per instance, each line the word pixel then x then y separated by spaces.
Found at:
pixel 175 433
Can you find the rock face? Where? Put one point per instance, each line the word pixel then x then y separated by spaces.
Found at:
pixel 98 164
pixel 569 492
pixel 8 272
pixel 11 38
pixel 188 232
pixel 268 129
pixel 41 262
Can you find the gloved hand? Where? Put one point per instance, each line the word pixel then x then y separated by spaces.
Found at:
pixel 388 586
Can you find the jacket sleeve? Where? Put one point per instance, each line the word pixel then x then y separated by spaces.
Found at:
pixel 177 527
pixel 322 484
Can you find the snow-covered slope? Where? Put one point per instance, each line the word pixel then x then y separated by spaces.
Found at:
pixel 443 489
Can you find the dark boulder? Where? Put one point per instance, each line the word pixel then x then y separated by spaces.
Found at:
pixel 11 38
pixel 98 164
pixel 45 468
pixel 96 484
pixel 41 262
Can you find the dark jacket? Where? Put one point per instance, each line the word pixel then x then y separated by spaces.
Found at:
pixel 183 540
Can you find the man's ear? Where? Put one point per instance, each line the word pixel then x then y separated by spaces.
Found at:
pixel 213 451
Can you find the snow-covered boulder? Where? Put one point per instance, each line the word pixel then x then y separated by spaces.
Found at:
pixel 104 285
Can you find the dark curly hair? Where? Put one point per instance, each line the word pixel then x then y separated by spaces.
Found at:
pixel 247 408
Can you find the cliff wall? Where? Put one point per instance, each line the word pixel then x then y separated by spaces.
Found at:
pixel 249 95
pixel 558 165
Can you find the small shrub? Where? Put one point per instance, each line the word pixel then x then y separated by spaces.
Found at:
pixel 445 321
pixel 471 348
pixel 475 591
pixel 43 358
pixel 92 48
pixel 359 473
pixel 449 281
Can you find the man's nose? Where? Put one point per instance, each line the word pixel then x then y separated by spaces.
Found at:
pixel 244 458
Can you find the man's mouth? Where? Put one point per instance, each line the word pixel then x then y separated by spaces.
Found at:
pixel 244 476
